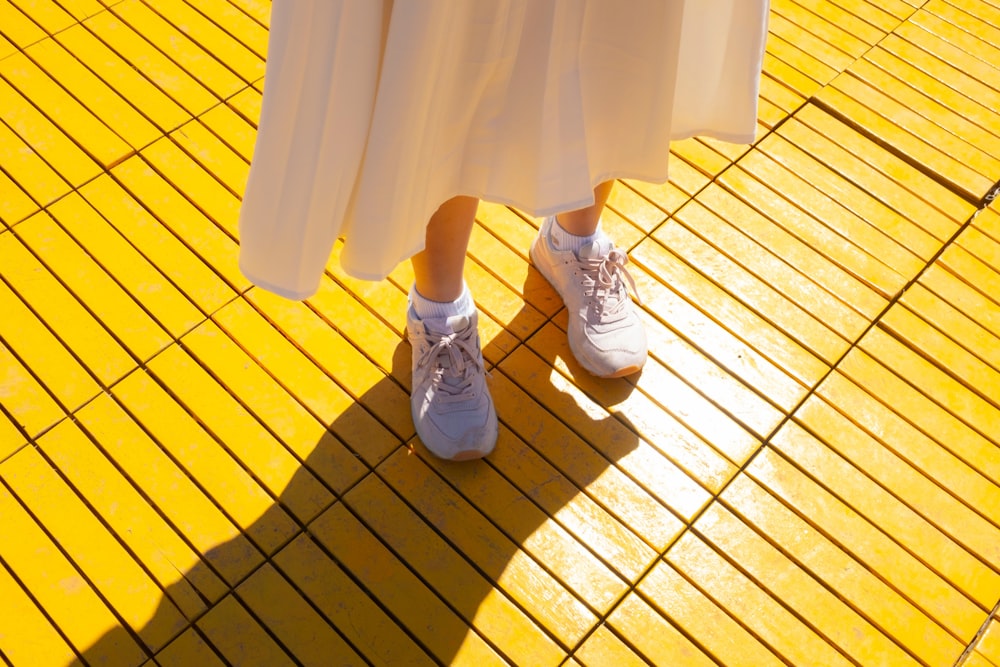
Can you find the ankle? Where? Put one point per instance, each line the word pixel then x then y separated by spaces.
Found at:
pixel 425 308
pixel 563 239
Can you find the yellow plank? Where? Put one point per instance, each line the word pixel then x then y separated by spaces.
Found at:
pixel 787 264
pixel 136 523
pixel 765 616
pixel 188 649
pixel 168 489
pixel 247 24
pixel 100 557
pixel 824 60
pixel 239 638
pixel 624 495
pixel 299 627
pixel 30 406
pixel 209 241
pixel 794 64
pixel 20 161
pixel 592 525
pixel 755 292
pixel 83 126
pixel 93 93
pixel 882 173
pixel 715 631
pixel 241 434
pixel 401 593
pixel 854 583
pixel 246 104
pixel 18 27
pixel 975 411
pixel 856 536
pixel 235 132
pixel 986 250
pixel 59 309
pixel 250 384
pixel 648 413
pixel 954 323
pixel 210 37
pixel 11 438
pixel 604 647
pixel 26 635
pixel 653 636
pixel 909 518
pixel 976 659
pixel 948 355
pixel 485 604
pixel 48 360
pixel 59 588
pixel 179 47
pixel 348 607
pixel 257 9
pixel 989 643
pixel 840 28
pixel 46 139
pixel 804 595
pixel 196 182
pixel 120 75
pixel 812 231
pixel 236 493
pixel 192 276
pixel 734 316
pixel 120 314
pixel 47 14
pixel 15 204
pixel 313 388
pixel 199 139
pixel 339 359
pixel 151 62
pixel 6 48
pixel 116 254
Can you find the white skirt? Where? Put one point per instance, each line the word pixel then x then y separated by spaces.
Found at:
pixel 375 112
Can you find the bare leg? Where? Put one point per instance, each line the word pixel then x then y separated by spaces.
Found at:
pixel 583 222
pixel 438 268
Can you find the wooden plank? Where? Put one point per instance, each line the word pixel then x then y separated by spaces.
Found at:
pixel 239 637
pixel 347 606
pixel 954 323
pixel 246 24
pixel 653 636
pixel 106 564
pixel 603 647
pixel 214 470
pixel 49 361
pixel 699 618
pixel 892 496
pixel 989 642
pixel 313 388
pixel 188 649
pixel 58 588
pixel 15 204
pixel 151 541
pixel 26 635
pixel 54 305
pixel 508 579
pixel 156 473
pixel 800 592
pixel 762 614
pixel 241 435
pixel 168 253
pixel 30 172
pixel 430 621
pixel 31 407
pixel 99 292
pixel 130 269
pixel 47 14
pixel 293 622
pixel 856 536
pixel 11 437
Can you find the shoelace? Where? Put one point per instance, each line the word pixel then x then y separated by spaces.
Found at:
pixel 602 282
pixel 461 362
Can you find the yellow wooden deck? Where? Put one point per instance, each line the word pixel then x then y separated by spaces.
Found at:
pixel 194 472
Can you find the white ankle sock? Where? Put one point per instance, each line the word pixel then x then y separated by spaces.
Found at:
pixel 427 309
pixel 563 240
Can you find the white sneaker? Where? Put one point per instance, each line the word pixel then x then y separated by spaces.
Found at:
pixel 605 333
pixel 450 402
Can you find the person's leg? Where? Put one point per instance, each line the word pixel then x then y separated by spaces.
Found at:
pixel 584 221
pixel 450 402
pixel 438 268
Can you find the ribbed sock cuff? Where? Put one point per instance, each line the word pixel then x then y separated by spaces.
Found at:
pixel 427 309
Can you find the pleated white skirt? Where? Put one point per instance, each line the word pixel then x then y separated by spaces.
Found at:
pixel 377 111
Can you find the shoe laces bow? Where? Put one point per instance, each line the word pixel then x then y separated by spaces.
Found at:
pixel 603 284
pixel 456 361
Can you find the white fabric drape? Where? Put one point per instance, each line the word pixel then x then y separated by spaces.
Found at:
pixel 377 111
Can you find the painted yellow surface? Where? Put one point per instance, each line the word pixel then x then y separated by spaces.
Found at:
pixel 807 472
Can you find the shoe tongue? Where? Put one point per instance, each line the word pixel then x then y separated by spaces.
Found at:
pixel 448 325
pixel 595 249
